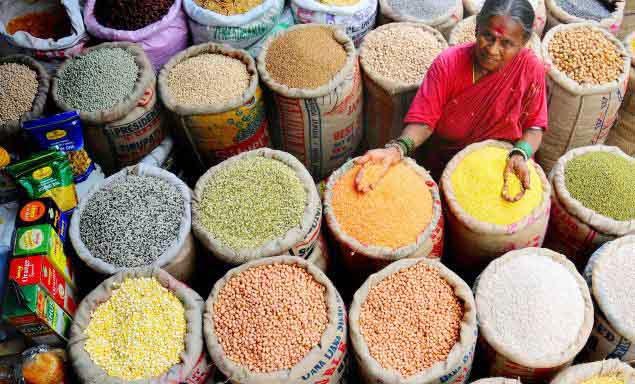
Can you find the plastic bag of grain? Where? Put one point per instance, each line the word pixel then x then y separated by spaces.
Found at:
pixel 534 312
pixel 473 7
pixel 607 16
pixel 356 17
pixel 623 134
pixel 592 201
pixel 137 217
pixel 26 91
pixel 389 85
pixel 435 340
pixel 277 320
pixel 233 27
pixel 583 101
pixel 284 22
pixel 610 371
pixel 142 336
pixel 481 224
pixel 113 86
pixel 441 15
pixel 214 96
pixel 320 256
pixel 257 204
pixel 313 73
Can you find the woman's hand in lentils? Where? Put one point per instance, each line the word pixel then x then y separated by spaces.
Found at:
pixel 385 156
pixel 517 165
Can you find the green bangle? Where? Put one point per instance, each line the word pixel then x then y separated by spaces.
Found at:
pixel 525 147
pixel 408 143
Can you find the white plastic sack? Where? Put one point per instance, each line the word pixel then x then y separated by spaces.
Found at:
pixel 284 22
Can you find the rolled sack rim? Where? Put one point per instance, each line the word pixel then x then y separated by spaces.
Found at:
pixel 566 18
pixel 482 227
pixel 554 359
pixel 629 41
pixel 393 86
pixel 381 252
pixel 236 371
pixel 578 373
pixel 464 346
pixel 333 9
pixel 498 380
pixel 207 48
pixel 572 86
pixel 600 223
pixel 312 212
pixel 206 17
pixel 455 12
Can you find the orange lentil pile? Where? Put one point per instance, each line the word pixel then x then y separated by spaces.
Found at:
pixel 411 319
pixel 269 317
pixel 392 215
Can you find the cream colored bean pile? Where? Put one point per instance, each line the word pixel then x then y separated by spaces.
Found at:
pixel 208 79
pixel 465 31
pixel 269 317
pixel 18 87
pixel 402 53
pixel 586 56
pixel 411 320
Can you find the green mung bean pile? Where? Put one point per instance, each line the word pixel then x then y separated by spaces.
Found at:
pixel 253 201
pixel 603 182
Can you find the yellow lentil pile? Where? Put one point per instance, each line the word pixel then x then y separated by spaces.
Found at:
pixel 604 379
pixel 411 320
pixel 477 182
pixel 139 332
pixel 586 55
pixel 269 317
pixel 392 215
pixel 229 7
pixel 305 58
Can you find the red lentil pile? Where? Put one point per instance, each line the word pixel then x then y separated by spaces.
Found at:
pixel 269 317
pixel 411 319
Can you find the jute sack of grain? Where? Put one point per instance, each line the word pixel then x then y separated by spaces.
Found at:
pixel 320 256
pixel 194 367
pixel 298 241
pixel 238 31
pixel 623 134
pixel 575 230
pixel 219 131
pixel 357 19
pixel 579 114
pixel 613 334
pixel 367 259
pixel 178 259
pixel 443 23
pixel 507 359
pixel 582 372
pixel 475 243
pixel 325 363
pixel 473 7
pixel 10 132
pixel 386 101
pixel 322 127
pixel 454 370
pixel 497 380
pixel 556 15
pixel 132 128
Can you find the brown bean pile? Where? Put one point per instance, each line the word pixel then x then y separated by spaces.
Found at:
pixel 411 319
pixel 305 58
pixel 586 55
pixel 18 87
pixel 130 15
pixel 269 317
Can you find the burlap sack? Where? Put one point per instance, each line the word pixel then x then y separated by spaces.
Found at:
pixel 386 101
pixel 500 360
pixel 582 372
pixel 10 130
pixel 474 243
pixel 125 133
pixel 194 367
pixel 326 363
pixel 575 230
pixel 556 16
pixel 473 7
pixel 361 259
pixel 454 370
pixel 219 131
pixel 497 380
pixel 178 259
pixel 298 241
pixel 579 115
pixel 322 127
pixel 612 337
pixel 443 23
pixel 623 134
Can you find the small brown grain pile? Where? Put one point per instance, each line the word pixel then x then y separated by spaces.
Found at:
pixel 208 79
pixel 586 55
pixel 269 317
pixel 18 87
pixel 305 58
pixel 411 320
pixel 401 53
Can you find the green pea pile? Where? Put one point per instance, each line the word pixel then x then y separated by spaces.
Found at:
pixel 253 201
pixel 603 182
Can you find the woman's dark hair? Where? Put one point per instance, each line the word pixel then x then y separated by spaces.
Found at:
pixel 520 11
